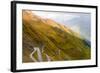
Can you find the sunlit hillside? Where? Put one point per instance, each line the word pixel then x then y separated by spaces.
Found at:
pixel 55 41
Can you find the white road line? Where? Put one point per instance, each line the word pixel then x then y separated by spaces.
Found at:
pixel 48 58
pixel 31 55
pixel 39 53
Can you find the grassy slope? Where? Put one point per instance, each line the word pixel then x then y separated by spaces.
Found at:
pixel 59 44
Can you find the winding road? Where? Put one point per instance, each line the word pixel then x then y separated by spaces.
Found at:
pixel 39 53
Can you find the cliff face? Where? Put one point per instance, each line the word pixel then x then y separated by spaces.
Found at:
pixel 55 41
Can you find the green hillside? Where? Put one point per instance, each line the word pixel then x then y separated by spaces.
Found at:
pixel 60 42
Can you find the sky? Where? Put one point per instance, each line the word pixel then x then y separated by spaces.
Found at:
pixel 78 22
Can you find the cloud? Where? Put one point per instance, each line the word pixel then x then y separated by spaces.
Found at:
pixel 79 22
pixel 57 16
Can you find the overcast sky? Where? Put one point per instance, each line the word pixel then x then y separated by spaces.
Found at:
pixel 79 22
